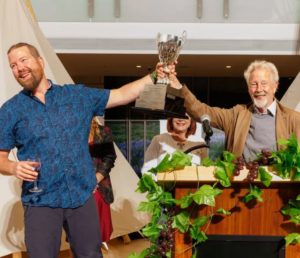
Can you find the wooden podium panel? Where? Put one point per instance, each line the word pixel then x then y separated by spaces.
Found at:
pixel 253 218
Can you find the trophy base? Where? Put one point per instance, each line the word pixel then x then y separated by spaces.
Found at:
pixel 170 104
pixel 159 113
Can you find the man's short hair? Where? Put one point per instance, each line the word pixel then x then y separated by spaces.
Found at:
pixel 34 52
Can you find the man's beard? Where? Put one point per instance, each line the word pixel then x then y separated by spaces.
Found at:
pixel 32 83
pixel 260 103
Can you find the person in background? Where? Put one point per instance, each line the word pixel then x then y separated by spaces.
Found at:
pixel 251 128
pixel 104 155
pixel 52 122
pixel 176 138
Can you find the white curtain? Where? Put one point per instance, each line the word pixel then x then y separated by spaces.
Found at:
pixel 17 25
pixel 291 98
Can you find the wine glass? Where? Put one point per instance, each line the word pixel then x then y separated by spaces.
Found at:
pixel 37 168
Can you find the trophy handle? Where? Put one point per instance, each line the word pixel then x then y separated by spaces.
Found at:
pixel 183 37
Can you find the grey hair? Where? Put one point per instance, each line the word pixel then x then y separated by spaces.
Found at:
pixel 261 64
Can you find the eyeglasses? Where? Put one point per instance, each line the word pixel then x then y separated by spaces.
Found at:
pixel 263 84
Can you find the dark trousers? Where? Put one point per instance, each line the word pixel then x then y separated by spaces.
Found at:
pixel 43 230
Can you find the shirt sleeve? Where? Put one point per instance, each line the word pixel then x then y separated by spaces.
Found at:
pixel 98 98
pixel 7 137
pixel 101 101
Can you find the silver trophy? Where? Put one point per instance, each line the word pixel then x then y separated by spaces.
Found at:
pixel 169 47
pixel 160 98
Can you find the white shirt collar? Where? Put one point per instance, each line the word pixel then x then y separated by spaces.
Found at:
pixel 270 109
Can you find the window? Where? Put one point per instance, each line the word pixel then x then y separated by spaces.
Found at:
pixel 133 137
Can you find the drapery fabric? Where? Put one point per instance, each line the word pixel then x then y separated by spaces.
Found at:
pixel 291 98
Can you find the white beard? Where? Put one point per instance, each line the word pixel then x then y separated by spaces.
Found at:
pixel 261 103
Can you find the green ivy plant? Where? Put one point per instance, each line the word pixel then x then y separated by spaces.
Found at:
pixel 286 163
pixel 169 215
pixel 292 210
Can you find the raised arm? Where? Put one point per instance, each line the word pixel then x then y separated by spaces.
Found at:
pixel 127 93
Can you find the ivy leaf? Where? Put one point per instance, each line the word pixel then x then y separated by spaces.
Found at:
pixel 148 206
pixel 153 208
pixel 206 195
pixel 292 144
pixel 287 159
pixel 296 176
pixel 223 212
pixel 200 221
pixel 228 167
pixel 296 220
pixel 197 235
pixel 152 231
pixel 146 184
pixel 294 203
pixel 162 166
pixel 293 238
pixel 228 156
pixel 207 162
pixel 185 201
pixel 135 255
pixel 221 175
pixel 177 161
pixel 224 168
pixel 154 195
pixel 143 254
pixel 264 176
pixel 281 165
pixel 181 221
pixel 180 160
pixel 166 199
pixel 292 209
pixel 254 193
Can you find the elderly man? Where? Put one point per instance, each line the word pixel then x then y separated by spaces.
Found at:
pixel 52 123
pixel 254 127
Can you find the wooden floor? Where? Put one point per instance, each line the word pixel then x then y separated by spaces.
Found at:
pixel 117 249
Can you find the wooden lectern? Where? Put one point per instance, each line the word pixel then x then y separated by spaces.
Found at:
pixel 263 219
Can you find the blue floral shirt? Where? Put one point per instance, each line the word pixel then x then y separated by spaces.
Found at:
pixel 56 132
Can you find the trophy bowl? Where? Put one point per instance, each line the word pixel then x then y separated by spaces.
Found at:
pixel 169 47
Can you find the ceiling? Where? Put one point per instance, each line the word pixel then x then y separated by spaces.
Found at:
pixel 95 39
pixel 91 51
pixel 101 38
pixel 93 67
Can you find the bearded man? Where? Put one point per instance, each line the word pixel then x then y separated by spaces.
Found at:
pixel 52 122
pixel 251 128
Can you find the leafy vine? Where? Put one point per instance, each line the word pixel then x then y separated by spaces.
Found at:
pixel 169 215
